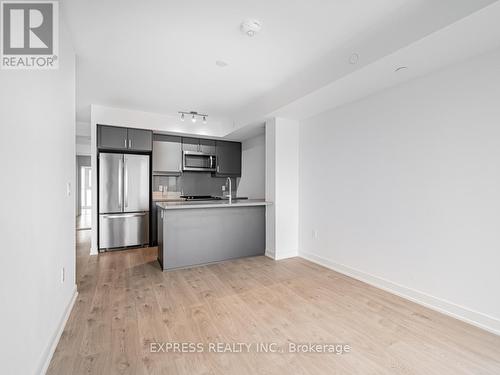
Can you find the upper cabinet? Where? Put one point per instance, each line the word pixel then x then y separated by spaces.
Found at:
pixel 118 138
pixel 206 146
pixel 167 149
pixel 112 137
pixel 140 140
pixel 167 155
pixel 190 144
pixel 228 159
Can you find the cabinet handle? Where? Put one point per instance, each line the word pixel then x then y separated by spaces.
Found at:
pixel 129 143
pixel 125 140
pixel 217 168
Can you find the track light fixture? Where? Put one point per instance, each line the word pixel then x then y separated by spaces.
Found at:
pixel 194 115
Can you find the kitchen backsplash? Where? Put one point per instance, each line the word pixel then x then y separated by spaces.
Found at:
pixel 194 183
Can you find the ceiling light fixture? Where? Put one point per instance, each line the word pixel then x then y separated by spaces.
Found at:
pixel 194 115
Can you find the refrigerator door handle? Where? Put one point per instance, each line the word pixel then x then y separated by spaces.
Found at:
pixel 125 182
pixel 120 183
pixel 122 216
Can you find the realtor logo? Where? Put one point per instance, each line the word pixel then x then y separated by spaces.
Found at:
pixel 29 37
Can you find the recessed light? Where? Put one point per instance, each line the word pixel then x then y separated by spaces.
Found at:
pixel 221 64
pixel 398 69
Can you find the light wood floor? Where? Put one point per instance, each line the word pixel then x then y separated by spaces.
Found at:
pixel 125 302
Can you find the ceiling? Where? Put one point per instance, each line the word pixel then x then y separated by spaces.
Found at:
pixel 159 56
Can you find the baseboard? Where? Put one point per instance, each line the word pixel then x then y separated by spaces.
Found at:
pixel 269 254
pixel 55 340
pixel 291 254
pixel 272 255
pixel 483 321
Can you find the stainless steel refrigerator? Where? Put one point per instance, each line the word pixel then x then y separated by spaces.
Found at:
pixel 123 200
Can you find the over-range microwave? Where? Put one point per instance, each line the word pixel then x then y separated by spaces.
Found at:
pixel 198 161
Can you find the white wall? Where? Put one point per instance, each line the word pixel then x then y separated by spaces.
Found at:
pixel 282 177
pixel 37 217
pixel 253 164
pixel 403 189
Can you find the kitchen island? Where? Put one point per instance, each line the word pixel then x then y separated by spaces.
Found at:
pixel 195 233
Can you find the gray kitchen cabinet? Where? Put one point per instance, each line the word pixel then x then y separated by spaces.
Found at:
pixel 112 137
pixel 190 144
pixel 140 140
pixel 167 155
pixel 223 233
pixel 228 158
pixel 119 138
pixel 207 146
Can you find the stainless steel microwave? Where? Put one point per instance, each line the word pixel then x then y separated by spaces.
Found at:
pixel 198 161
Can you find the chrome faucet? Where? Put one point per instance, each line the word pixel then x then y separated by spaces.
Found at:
pixel 230 190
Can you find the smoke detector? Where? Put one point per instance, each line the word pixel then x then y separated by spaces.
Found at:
pixel 353 59
pixel 250 26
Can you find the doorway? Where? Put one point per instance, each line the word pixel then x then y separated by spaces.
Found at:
pixel 84 209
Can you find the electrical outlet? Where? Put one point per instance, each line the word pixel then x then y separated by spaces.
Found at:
pixel 315 234
pixel 63 275
pixel 160 188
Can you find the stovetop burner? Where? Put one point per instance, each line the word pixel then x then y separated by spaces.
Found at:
pixel 199 197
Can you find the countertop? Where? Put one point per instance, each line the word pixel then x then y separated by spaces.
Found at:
pixel 211 204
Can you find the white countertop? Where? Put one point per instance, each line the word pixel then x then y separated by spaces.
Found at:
pixel 211 204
